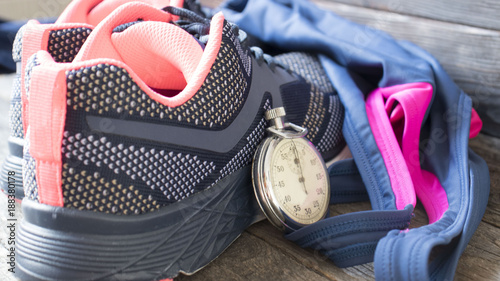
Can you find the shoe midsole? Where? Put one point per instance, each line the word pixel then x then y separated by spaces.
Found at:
pixel 16 146
pixel 57 243
pixel 11 177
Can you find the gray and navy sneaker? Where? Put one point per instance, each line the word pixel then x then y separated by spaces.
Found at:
pixel 62 40
pixel 138 162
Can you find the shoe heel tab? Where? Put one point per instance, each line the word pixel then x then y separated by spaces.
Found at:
pixel 164 55
pixel 47 90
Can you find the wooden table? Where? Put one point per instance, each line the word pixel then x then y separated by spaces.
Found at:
pixel 465 37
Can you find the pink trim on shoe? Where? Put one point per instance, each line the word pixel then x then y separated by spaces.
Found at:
pixel 155 56
pixel 46 124
pixel 36 38
pixel 32 42
pixel 46 127
pixel 100 44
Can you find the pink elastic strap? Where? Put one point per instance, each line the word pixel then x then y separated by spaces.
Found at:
pixel 475 124
pixel 387 143
pixel 397 127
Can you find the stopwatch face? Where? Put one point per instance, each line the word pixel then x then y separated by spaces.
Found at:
pixel 299 181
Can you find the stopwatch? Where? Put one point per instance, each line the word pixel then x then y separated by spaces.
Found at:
pixel 290 179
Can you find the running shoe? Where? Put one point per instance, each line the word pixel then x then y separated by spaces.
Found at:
pixel 62 40
pixel 140 156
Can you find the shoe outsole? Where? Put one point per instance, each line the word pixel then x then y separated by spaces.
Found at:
pixel 56 243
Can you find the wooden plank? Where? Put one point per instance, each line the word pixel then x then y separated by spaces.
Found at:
pixel 481 258
pixel 211 3
pixel 30 9
pixel 311 259
pixel 467 53
pixel 251 258
pixel 481 13
pixel 489 149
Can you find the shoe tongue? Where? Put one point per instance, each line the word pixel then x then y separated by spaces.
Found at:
pixel 94 11
pixel 163 55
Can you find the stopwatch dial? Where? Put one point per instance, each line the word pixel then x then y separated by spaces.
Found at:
pixel 299 181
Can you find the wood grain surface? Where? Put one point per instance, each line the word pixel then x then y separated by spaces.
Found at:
pixel 464 36
pixel 481 13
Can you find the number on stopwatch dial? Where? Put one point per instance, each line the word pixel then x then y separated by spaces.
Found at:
pixel 299 181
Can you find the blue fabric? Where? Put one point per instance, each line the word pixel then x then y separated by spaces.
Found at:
pixel 8 31
pixel 346 183
pixel 350 239
pixel 357 60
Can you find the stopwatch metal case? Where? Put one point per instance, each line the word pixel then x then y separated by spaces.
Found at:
pixel 261 176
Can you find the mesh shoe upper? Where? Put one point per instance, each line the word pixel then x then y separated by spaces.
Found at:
pixel 324 113
pixel 63 41
pixel 125 151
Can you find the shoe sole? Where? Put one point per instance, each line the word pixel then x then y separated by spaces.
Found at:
pixel 13 163
pixel 55 243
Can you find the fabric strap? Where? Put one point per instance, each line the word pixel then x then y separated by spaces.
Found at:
pixel 396 115
pixel 350 239
pixel 346 183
